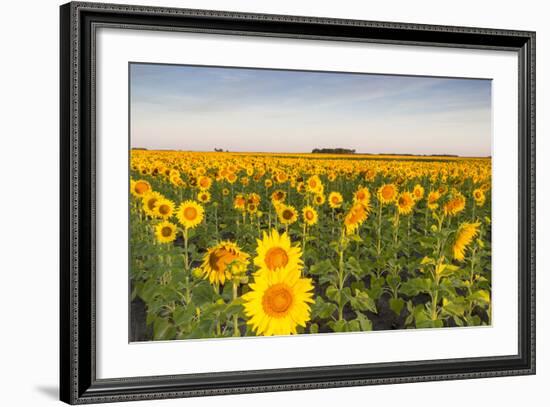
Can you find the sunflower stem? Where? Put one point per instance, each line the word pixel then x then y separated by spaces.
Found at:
pixel 216 220
pixel 396 225
pixel 236 331
pixel 304 235
pixel 341 277
pixel 434 304
pixel 186 247
pixel 332 230
pixel 379 230
pixel 408 235
pixel 426 220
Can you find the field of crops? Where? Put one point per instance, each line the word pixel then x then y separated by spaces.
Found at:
pixel 235 244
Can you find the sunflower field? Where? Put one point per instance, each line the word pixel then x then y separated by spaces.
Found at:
pixel 236 244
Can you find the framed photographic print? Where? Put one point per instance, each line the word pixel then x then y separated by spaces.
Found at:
pixel 257 203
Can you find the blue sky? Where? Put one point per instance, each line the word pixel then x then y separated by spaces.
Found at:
pixel 202 108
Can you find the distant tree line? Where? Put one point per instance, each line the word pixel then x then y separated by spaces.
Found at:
pixel 333 151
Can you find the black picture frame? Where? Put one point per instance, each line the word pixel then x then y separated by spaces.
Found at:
pixel 78 382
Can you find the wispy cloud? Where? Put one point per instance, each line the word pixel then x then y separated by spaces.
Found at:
pixel 200 108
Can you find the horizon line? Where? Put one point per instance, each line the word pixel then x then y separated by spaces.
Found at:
pixel 309 152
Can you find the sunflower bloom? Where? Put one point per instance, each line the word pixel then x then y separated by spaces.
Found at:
pixel 319 199
pixel 301 188
pixel 222 262
pixel 164 208
pixel 275 252
pixel 239 202
pixel 418 192
pixel 479 196
pixel 433 197
pixel 362 196
pixel 354 218
pixel 370 174
pixel 281 177
pixel 204 183
pixel 254 198
pixel 314 184
pixel 140 188
pixel 278 196
pixel 464 236
pixel 278 302
pixel 335 200
pixel 190 214
pixel 149 202
pixel 310 215
pixel 251 208
pixel 405 203
pixel 165 232
pixel 204 196
pixel 387 193
pixel 287 214
pixel 231 178
pixel 455 205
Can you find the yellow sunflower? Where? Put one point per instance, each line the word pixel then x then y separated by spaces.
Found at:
pixel 479 196
pixel 287 214
pixel 314 184
pixel 370 174
pixel 239 202
pixel 190 214
pixel 418 192
pixel 254 198
pixel 335 200
pixel 387 193
pixel 225 192
pixel 405 203
pixel 455 205
pixel 231 178
pixel 485 187
pixel 278 302
pixel 140 188
pixel 222 262
pixel 176 180
pixel 310 215
pixel 165 232
pixel 164 208
pixel 149 202
pixel 268 183
pixel 204 196
pixel 143 170
pixel 252 208
pixel 281 177
pixel 433 197
pixel 355 217
pixel 275 252
pixel 319 199
pixel 362 196
pixel 278 196
pixel 464 236
pixel 204 182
